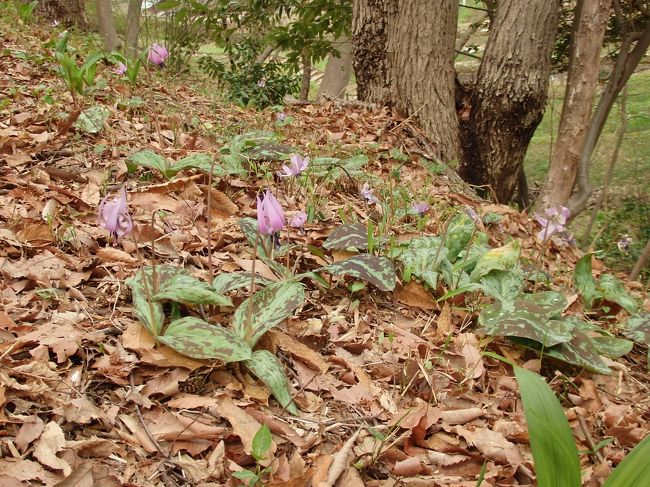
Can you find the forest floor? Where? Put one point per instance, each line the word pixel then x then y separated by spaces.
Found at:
pixel 392 388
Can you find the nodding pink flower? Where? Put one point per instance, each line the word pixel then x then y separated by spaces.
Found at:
pixel 296 167
pixel 114 215
pixel 420 208
pixel 366 192
pixel 157 54
pixel 624 243
pixel 120 68
pixel 298 220
pixel 270 218
pixel 554 222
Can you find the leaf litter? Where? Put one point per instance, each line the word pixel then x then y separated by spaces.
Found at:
pixel 392 388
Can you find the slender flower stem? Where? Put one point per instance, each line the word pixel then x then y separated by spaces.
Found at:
pixel 249 317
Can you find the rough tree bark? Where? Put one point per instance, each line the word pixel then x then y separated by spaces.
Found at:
pixel 508 100
pixel 584 62
pixel 626 63
pixel 337 71
pixel 106 24
pixel 644 258
pixel 68 12
pixel 133 27
pixel 305 81
pixel 403 57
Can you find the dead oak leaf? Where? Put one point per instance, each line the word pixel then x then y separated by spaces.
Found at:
pixel 48 445
pixel 492 444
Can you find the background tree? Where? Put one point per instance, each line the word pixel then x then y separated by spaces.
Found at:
pixel 338 71
pixel 68 12
pixel 582 79
pixel 403 57
pixel 133 27
pixel 106 24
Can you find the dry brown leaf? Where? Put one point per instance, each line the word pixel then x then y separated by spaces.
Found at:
pixel 79 410
pixel 112 254
pixel 243 424
pixel 410 467
pixel 414 294
pixel 48 445
pixel 30 430
pixel 221 205
pixel 461 416
pixel 492 444
pixel 297 349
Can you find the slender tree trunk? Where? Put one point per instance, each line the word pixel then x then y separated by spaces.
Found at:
pixel 626 63
pixel 68 12
pixel 305 82
pixel 644 258
pixel 584 62
pixel 133 27
pixel 510 94
pixel 106 24
pixel 337 71
pixel 403 57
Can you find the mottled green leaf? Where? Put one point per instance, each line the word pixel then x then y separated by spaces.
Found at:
pixel 200 161
pixel 580 351
pixel 378 271
pixel 271 305
pixel 151 160
pixel 91 120
pixel 229 281
pixel 612 346
pixel 554 450
pixel 423 258
pixel 249 229
pixel 143 287
pixel 261 443
pixel 187 289
pixel 638 328
pixel 612 290
pixel 503 285
pixel 268 369
pixel 195 338
pixel 502 259
pixel 346 236
pixel 585 282
pixel 459 233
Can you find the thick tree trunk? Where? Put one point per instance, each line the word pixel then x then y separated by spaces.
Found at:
pixel 584 62
pixel 510 94
pixel 337 71
pixel 626 63
pixel 403 57
pixel 133 27
pixel 106 24
pixel 68 12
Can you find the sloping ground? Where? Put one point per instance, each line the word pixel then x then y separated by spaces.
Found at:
pixel 392 387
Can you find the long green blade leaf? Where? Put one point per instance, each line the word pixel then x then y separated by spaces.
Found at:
pixel 634 469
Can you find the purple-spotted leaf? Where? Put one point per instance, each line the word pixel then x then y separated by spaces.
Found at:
pixel 229 281
pixel 266 367
pixel 196 338
pixel 271 305
pixel 187 289
pixel 346 236
pixel 378 271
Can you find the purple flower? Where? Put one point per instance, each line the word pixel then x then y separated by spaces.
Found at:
pixel 366 192
pixel 270 217
pixel 420 208
pixel 114 215
pixel 262 83
pixel 120 68
pixel 298 220
pixel 471 212
pixel 554 222
pixel 298 165
pixel 157 54
pixel 281 116
pixel 624 243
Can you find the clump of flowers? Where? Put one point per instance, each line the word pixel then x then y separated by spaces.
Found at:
pixel 157 54
pixel 114 215
pixel 554 223
pixel 298 220
pixel 270 217
pixel 367 193
pixel 420 208
pixel 296 166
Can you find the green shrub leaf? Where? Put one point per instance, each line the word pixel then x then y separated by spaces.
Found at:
pixel 271 305
pixel 266 367
pixel 196 338
pixel 553 446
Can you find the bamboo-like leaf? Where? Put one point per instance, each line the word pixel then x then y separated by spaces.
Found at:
pixel 196 338
pixel 553 446
pixel 266 367
pixel 346 236
pixel 271 305
pixel 634 469
pixel 229 281
pixel 186 289
pixel 378 271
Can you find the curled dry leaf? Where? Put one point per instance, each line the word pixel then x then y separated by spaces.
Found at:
pixel 52 441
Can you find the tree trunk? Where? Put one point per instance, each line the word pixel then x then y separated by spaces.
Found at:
pixel 509 98
pixel 584 62
pixel 644 258
pixel 68 12
pixel 626 63
pixel 133 27
pixel 305 82
pixel 337 71
pixel 106 24
pixel 403 57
